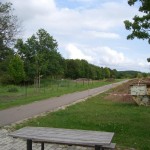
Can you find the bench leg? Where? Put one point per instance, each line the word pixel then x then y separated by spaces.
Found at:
pixel 42 146
pixel 29 144
pixel 99 148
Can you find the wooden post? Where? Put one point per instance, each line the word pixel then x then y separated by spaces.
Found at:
pixel 42 146
pixel 29 144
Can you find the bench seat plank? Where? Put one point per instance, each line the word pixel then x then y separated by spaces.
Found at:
pixel 64 136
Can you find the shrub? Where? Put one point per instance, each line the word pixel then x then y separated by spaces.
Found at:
pixel 13 89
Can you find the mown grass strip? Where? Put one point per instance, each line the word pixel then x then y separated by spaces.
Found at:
pixel 129 122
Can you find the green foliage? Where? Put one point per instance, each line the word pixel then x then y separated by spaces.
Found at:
pixel 148 59
pixel 140 27
pixel 107 72
pixel 8 29
pixel 82 69
pixel 130 74
pixel 139 75
pixel 40 55
pixel 73 68
pixel 127 74
pixel 113 73
pixel 16 69
pixel 145 75
pixel 5 55
pixel 13 89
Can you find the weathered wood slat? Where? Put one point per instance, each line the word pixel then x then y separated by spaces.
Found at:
pixel 64 136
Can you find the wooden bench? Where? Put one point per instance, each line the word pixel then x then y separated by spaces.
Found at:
pixel 99 140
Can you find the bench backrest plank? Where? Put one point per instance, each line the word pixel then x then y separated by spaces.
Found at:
pixel 64 136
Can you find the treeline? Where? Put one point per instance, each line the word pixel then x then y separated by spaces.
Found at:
pixel 132 74
pixel 82 69
pixel 33 59
pixel 38 58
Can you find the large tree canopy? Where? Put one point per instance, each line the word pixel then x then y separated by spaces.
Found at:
pixel 40 55
pixel 140 26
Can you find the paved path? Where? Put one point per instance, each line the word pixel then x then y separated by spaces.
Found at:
pixel 16 114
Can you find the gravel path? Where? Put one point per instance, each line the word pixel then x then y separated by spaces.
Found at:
pixel 15 114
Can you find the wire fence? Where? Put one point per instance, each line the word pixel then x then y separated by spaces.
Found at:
pixel 48 88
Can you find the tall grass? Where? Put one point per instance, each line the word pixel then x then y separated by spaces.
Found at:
pixel 11 95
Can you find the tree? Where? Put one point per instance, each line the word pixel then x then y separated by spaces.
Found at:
pixel 140 27
pixel 73 69
pixel 40 55
pixel 113 73
pixel 139 75
pixel 9 26
pixel 16 69
pixel 107 72
pixel 5 56
pixel 84 69
pixel 92 71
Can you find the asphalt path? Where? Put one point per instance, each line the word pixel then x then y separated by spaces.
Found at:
pixel 15 114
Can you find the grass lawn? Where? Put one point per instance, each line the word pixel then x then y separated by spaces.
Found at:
pixel 49 88
pixel 130 123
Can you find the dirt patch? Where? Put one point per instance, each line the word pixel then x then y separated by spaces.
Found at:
pixel 122 92
pixel 120 98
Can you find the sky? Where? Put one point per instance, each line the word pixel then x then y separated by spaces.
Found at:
pixel 87 29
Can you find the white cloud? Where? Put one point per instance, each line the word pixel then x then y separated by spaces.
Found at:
pixel 94 27
pixel 75 53
pixel 110 56
pixel 45 13
pixel 104 56
pixel 108 35
pixel 30 9
pixel 98 55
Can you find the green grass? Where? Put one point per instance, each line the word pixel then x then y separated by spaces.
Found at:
pixel 130 123
pixel 49 88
